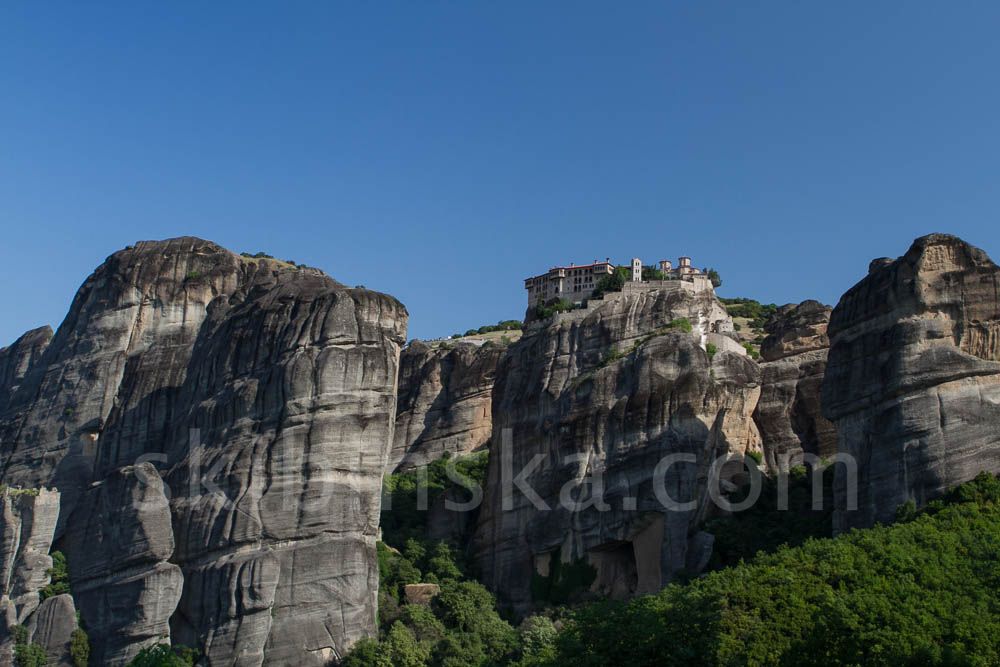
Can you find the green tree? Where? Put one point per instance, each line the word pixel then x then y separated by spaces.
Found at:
pixel 469 608
pixel 164 655
pixel 713 275
pixel 919 593
pixel 30 655
pixel 58 577
pixel 613 282
pixel 79 648
pixel 403 648
pixel 653 273
pixel 441 563
pixel 367 653
pixel 537 636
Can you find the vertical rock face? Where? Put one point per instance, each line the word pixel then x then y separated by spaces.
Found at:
pixel 27 524
pixel 291 425
pixel 793 364
pixel 609 392
pixel 445 397
pixel 118 542
pixel 913 377
pixel 264 393
pixel 52 627
pixel 17 360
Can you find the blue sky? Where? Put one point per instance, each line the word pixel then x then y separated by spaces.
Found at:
pixel 443 151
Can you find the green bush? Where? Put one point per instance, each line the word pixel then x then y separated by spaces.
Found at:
pixel 711 350
pixel 681 323
pixel 58 577
pixel 751 350
pixel 653 273
pixel 713 275
pixel 367 653
pixel 79 648
pixel 26 654
pixel 543 312
pixel 502 325
pixel 164 655
pixel 755 311
pixel 537 636
pixel 613 282
pixel 30 655
pixel 470 610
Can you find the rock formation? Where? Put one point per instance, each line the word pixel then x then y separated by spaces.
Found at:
pixel 608 392
pixel 793 361
pixel 913 377
pixel 445 396
pixel 263 394
pixel 118 542
pixel 52 628
pixel 17 360
pixel 27 525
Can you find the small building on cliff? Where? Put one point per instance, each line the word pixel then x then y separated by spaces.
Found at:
pixel 577 282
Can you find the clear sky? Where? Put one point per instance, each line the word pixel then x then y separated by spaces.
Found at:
pixel 444 151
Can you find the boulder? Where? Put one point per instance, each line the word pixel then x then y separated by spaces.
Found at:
pixel 420 593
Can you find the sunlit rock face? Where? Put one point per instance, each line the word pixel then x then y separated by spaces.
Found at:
pixel 913 377
pixel 610 391
pixel 220 424
pixel 445 401
pixel 17 359
pixel 793 362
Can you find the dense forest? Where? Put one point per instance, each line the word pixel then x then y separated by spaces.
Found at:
pixel 922 591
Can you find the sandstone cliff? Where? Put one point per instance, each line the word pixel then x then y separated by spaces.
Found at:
pixel 264 395
pixel 913 377
pixel 793 357
pixel 445 396
pixel 610 391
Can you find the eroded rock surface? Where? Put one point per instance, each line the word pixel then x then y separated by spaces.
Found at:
pixel 52 627
pixel 118 542
pixel 17 360
pixel 27 525
pixel 913 377
pixel 264 394
pixel 793 362
pixel 613 390
pixel 445 401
